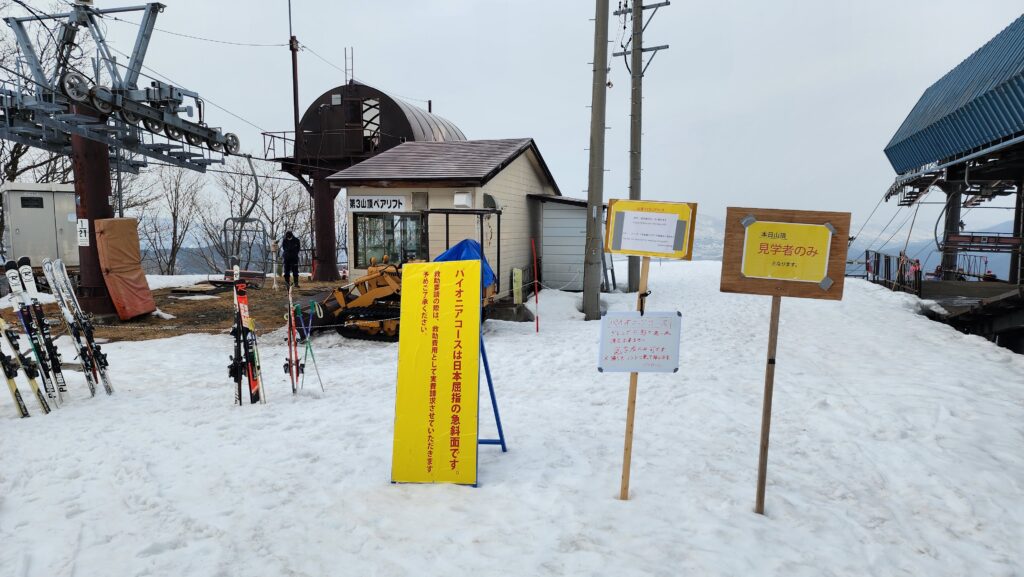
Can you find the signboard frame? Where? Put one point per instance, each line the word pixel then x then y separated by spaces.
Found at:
pixel 733 279
pixel 419 437
pixel 685 212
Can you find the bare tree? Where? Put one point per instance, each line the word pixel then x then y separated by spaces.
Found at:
pixel 168 222
pixel 251 228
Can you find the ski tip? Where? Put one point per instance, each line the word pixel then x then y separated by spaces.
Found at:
pixel 24 261
pixel 11 265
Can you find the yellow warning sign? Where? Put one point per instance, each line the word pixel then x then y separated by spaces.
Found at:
pixel 437 399
pixel 786 251
pixel 650 228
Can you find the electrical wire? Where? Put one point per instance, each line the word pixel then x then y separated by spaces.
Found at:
pixel 880 200
pixel 167 79
pixel 193 37
pixel 336 67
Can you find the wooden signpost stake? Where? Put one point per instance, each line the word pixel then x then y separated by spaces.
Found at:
pixel 627 452
pixel 646 229
pixel 793 253
pixel 766 409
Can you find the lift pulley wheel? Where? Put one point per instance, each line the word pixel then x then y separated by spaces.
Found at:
pixel 231 144
pixel 75 87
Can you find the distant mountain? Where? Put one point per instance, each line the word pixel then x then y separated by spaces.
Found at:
pixel 708 238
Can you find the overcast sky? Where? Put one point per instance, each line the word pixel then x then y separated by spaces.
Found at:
pixel 783 104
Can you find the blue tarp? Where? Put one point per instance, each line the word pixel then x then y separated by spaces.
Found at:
pixel 469 249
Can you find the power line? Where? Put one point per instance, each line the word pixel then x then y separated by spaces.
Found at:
pixel 166 78
pixel 193 37
pixel 335 66
pixel 869 217
pixel 886 227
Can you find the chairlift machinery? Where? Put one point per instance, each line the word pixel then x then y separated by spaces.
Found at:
pixel 39 108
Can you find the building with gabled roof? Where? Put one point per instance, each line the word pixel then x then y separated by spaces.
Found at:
pixel 417 199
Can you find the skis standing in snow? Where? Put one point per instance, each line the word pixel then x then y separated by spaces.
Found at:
pixel 25 362
pixel 292 366
pixel 10 367
pixel 246 360
pixel 23 286
pixel 72 326
pixel 82 327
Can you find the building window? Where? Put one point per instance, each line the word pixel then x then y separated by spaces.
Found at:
pixel 399 236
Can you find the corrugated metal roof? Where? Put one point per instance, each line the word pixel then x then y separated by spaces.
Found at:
pixel 977 104
pixel 427 126
pixel 466 162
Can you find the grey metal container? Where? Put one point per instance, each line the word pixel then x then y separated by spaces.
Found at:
pixel 40 222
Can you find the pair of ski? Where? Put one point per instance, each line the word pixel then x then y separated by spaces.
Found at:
pixel 79 325
pixel 295 368
pixel 45 365
pixel 245 362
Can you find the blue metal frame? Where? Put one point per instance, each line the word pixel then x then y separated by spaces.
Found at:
pixel 494 403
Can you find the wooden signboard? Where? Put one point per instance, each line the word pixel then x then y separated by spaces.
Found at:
pixel 650 228
pixel 789 253
pixel 794 253
pixel 646 228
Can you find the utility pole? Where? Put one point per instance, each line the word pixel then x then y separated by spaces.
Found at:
pixel 293 45
pixel 595 186
pixel 637 69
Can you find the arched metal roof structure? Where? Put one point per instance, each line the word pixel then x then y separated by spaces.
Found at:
pixel 353 122
pixel 976 106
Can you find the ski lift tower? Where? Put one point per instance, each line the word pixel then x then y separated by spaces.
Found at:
pixel 85 114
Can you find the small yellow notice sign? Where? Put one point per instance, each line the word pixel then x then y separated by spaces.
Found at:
pixel 650 228
pixel 786 251
pixel 437 399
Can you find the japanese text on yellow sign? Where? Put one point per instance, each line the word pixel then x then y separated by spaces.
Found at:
pixel 650 228
pixel 436 403
pixel 786 251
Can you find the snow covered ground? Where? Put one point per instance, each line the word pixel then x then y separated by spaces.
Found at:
pixel 896 450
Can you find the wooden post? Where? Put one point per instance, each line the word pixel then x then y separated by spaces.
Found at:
pixel 627 453
pixel 766 409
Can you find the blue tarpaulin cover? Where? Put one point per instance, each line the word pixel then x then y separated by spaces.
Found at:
pixel 469 249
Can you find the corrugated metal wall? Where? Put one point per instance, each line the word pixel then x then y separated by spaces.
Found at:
pixel 564 243
pixel 980 102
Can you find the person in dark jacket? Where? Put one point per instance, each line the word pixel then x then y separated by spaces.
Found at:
pixel 290 255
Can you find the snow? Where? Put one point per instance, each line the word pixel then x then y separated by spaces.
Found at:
pixel 162 281
pixel 196 297
pixel 895 450
pixel 9 302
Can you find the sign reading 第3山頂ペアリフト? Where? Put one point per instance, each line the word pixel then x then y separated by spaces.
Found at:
pixel 795 253
pixel 377 204
pixel 437 398
pixel 650 228
pixel 632 342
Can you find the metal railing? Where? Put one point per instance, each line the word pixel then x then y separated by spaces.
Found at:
pixel 897 273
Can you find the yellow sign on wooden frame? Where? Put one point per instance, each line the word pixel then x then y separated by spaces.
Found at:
pixel 437 399
pixel 650 228
pixel 786 251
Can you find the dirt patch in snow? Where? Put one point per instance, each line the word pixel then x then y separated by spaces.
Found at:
pixel 211 316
